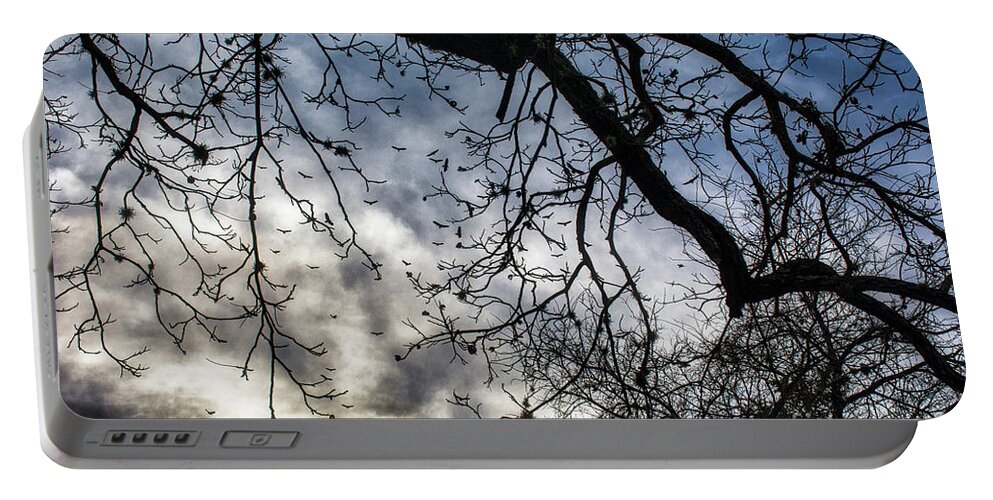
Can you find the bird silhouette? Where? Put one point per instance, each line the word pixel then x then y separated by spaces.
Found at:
pixel 343 405
pixel 305 176
pixel 284 231
pixel 333 316
pixel 312 267
pixel 695 177
pixel 209 412
pixel 405 262
pixel 444 168
pixel 371 202
pixel 440 225
pixel 376 334
pixel 432 153
pixel 398 148
pixel 458 232
pixel 276 252
pixel 437 243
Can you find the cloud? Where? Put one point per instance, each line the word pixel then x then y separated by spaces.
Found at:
pixel 336 304
pixel 108 397
pixel 411 387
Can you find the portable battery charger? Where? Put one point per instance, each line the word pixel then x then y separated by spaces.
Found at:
pixel 486 250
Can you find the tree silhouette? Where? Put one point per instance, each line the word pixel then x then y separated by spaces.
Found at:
pixel 814 280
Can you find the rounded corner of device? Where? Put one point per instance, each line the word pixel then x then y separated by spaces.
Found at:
pixel 58 422
pixel 58 455
pixel 889 455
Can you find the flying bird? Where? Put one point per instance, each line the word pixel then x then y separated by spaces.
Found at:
pixel 458 232
pixel 305 176
pixel 437 243
pixel 209 412
pixel 343 405
pixel 405 262
pixel 687 183
pixel 432 153
pixel 398 148
pixel 312 267
pixel 333 316
pixel 276 252
pixel 376 334
pixel 440 225
pixel 371 202
pixel 284 231
pixel 444 167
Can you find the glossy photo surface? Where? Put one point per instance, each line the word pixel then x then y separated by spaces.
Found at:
pixel 486 226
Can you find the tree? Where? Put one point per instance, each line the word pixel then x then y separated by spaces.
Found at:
pixel 814 280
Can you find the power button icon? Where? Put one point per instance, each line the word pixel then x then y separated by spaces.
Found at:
pixel 258 439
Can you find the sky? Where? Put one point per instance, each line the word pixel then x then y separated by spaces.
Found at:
pixel 335 301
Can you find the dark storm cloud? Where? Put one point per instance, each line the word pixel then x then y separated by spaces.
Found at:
pixel 374 298
pixel 406 203
pixel 104 397
pixel 411 386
